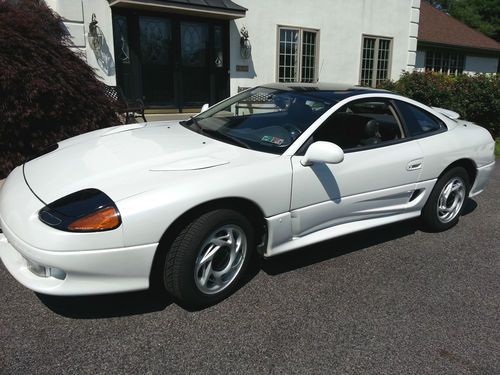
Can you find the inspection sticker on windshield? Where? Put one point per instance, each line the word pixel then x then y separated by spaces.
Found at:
pixel 271 139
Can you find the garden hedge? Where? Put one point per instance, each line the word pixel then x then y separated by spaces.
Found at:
pixel 47 92
pixel 476 98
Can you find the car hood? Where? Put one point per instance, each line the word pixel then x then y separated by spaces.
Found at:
pixel 126 160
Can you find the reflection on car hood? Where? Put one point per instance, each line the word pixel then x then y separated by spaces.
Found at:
pixel 127 160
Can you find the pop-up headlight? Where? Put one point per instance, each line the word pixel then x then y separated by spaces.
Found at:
pixel 88 210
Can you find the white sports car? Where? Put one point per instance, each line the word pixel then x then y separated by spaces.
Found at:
pixel 267 171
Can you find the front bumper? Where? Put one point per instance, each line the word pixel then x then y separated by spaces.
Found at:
pixel 85 263
pixel 86 272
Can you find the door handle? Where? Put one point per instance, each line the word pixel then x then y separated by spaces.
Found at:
pixel 414 165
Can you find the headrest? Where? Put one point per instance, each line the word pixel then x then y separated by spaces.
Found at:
pixel 371 129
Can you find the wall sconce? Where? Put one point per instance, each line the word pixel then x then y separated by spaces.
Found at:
pixel 95 35
pixel 245 46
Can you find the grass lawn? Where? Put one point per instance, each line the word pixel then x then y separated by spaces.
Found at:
pixel 497 147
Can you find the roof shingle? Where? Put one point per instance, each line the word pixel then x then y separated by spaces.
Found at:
pixel 440 28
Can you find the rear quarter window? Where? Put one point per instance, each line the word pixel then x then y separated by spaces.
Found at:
pixel 418 121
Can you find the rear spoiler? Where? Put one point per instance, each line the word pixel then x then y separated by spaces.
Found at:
pixel 450 114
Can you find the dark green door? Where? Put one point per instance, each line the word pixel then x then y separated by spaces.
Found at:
pixel 157 61
pixel 195 63
pixel 171 61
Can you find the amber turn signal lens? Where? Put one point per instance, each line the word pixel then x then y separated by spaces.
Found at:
pixel 105 219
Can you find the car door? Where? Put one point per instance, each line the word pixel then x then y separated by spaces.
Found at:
pixel 430 132
pixel 376 179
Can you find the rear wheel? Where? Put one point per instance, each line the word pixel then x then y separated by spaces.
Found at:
pixel 208 258
pixel 446 202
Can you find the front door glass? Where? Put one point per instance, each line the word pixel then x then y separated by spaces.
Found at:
pixel 157 60
pixel 195 60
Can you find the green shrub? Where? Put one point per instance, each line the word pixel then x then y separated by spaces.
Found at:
pixel 47 92
pixel 476 98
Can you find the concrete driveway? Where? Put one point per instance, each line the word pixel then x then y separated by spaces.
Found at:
pixel 393 300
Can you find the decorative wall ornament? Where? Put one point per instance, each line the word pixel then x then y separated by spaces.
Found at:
pixel 97 43
pixel 245 46
pixel 95 35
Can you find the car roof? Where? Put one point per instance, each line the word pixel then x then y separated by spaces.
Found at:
pixel 340 88
pixel 327 90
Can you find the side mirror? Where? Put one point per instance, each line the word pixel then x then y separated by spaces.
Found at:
pixel 205 107
pixel 323 152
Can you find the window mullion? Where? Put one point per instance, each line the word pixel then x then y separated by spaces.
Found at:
pixel 375 63
pixel 299 58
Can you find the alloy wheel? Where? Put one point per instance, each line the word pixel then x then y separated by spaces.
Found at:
pixel 220 259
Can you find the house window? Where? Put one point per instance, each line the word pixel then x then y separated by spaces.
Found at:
pixel 375 60
pixel 298 55
pixel 444 61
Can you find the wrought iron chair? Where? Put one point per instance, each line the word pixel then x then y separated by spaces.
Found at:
pixel 131 108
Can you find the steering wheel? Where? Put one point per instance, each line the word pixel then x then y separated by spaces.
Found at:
pixel 294 131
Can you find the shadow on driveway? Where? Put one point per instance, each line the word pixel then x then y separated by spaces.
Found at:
pixel 107 306
pixel 337 247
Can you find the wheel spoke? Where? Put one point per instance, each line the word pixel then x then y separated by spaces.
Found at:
pixel 217 278
pixel 220 242
pixel 231 241
pixel 447 191
pixel 209 255
pixel 456 187
pixel 207 271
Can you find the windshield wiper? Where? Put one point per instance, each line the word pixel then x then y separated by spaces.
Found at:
pixel 222 136
pixel 192 121
pixel 213 133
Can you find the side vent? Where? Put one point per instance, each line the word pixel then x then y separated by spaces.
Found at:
pixel 415 194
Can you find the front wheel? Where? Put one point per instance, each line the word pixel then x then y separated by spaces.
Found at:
pixel 446 202
pixel 208 258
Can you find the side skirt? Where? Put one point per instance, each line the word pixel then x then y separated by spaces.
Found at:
pixel 353 214
pixel 337 231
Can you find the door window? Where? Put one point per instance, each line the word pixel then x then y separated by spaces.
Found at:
pixel 361 124
pixel 120 33
pixel 194 44
pixel 155 42
pixel 156 39
pixel 195 63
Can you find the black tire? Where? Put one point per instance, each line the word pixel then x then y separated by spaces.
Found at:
pixel 181 259
pixel 430 217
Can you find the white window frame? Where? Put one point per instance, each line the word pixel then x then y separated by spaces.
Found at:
pixel 301 31
pixel 378 38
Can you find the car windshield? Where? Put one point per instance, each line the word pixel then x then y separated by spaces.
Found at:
pixel 263 119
